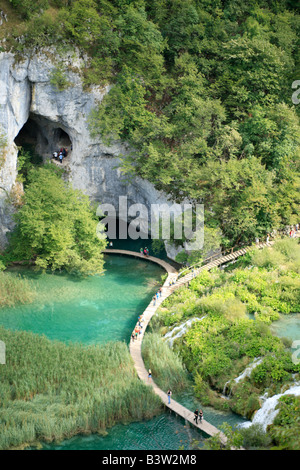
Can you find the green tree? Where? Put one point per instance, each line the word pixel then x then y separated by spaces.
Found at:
pixel 56 227
pixel 27 8
pixel 141 44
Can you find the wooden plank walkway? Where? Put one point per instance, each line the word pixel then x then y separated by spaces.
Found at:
pixel 136 345
pixel 136 254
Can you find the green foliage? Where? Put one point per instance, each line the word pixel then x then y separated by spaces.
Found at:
pixel 234 439
pixel 51 391
pixel 59 79
pixel 285 429
pixel 215 346
pixel 27 8
pixel 255 437
pixel 14 291
pixel 56 227
pixel 221 133
pixel 166 366
pixel 274 368
pixel 27 160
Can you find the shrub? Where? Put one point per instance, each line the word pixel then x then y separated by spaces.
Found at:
pixel 255 437
pixel 57 227
pixel 28 8
pixel 59 79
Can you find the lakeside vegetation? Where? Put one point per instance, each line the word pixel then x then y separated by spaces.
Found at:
pixel 15 290
pixel 166 366
pixel 234 308
pixel 51 391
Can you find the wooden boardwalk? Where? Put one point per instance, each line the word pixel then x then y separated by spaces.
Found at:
pixel 136 254
pixel 136 346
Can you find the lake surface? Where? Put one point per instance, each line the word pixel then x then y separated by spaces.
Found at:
pixel 90 311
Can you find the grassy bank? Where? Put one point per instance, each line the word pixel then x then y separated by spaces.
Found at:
pixel 52 391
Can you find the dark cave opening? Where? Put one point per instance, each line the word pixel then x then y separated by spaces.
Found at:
pixel 43 136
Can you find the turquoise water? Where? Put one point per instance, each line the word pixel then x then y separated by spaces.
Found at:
pixel 89 311
pixel 287 327
pixel 165 432
pixel 94 311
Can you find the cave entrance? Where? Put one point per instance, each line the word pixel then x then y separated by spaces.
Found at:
pixel 61 139
pixel 43 137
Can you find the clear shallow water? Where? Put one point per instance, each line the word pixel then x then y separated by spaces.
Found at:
pixel 94 311
pixel 287 327
pixel 165 432
pixel 89 311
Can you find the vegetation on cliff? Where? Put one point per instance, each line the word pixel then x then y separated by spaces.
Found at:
pixel 202 91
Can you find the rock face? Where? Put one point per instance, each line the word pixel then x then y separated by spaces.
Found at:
pixel 32 110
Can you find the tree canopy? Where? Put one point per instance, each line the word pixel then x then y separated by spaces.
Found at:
pixel 56 227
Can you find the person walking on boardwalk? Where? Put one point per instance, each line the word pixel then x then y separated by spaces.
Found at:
pixel 200 415
pixel 169 396
pixel 196 416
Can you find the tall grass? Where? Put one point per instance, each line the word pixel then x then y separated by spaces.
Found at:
pixel 52 391
pixel 166 366
pixel 15 290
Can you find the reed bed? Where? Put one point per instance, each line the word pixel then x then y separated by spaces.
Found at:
pixel 15 290
pixel 52 391
pixel 167 368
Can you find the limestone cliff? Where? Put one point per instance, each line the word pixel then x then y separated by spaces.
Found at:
pixel 32 108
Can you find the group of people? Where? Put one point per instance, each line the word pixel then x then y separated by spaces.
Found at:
pixel 144 251
pixel 198 414
pixel 60 155
pixel 157 295
pixel 291 232
pixel 294 229
pixel 138 328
